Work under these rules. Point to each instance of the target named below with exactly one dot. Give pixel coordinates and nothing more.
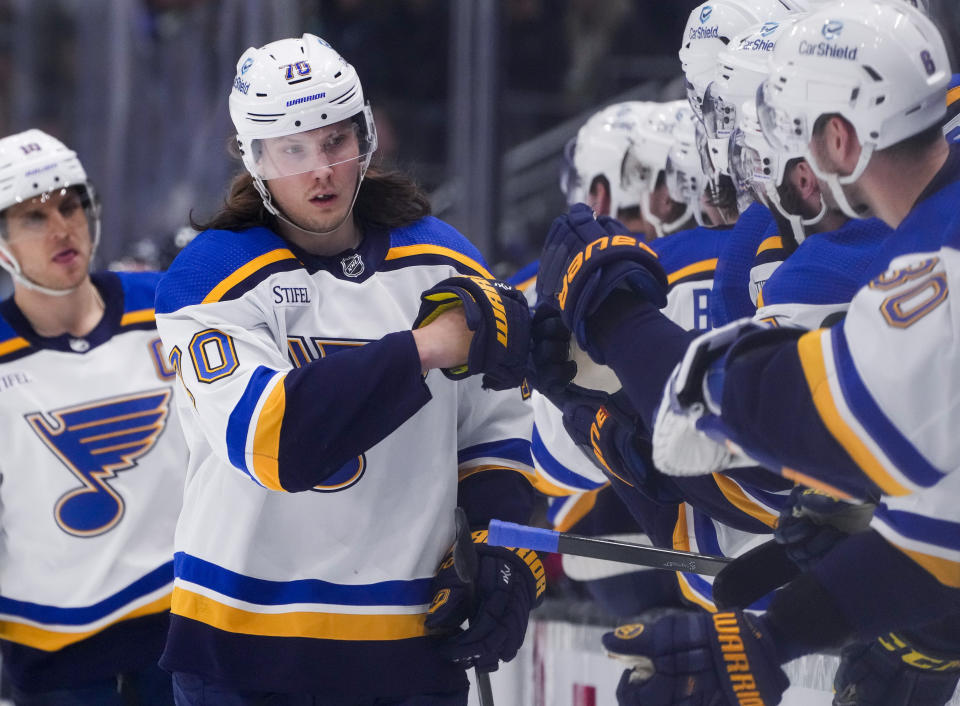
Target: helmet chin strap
(835, 182)
(267, 199)
(797, 223)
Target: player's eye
(293, 149)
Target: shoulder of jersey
(689, 255)
(12, 345)
(221, 265)
(139, 295)
(430, 241)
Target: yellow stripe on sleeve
(526, 284)
(465, 473)
(266, 438)
(953, 95)
(734, 493)
(320, 626)
(137, 317)
(945, 571)
(681, 542)
(693, 596)
(14, 344)
(242, 273)
(694, 269)
(423, 249)
(774, 242)
(50, 640)
(581, 506)
(810, 348)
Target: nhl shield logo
(352, 265)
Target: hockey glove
(550, 368)
(507, 585)
(500, 319)
(719, 659)
(585, 259)
(813, 522)
(890, 671)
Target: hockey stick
(465, 564)
(510, 534)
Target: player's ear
(804, 180)
(841, 143)
(600, 198)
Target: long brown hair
(387, 199)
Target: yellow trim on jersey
(243, 272)
(411, 250)
(760, 303)
(694, 269)
(953, 95)
(50, 640)
(772, 243)
(266, 437)
(815, 483)
(523, 286)
(734, 493)
(547, 487)
(137, 317)
(467, 472)
(581, 506)
(945, 571)
(320, 626)
(693, 596)
(810, 348)
(14, 344)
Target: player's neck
(345, 237)
(76, 313)
(896, 184)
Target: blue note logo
(95, 441)
(831, 29)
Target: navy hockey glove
(500, 319)
(890, 671)
(507, 585)
(698, 659)
(585, 259)
(550, 368)
(813, 522)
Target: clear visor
(695, 99)
(749, 169)
(719, 115)
(703, 149)
(30, 216)
(682, 185)
(635, 174)
(784, 132)
(571, 185)
(350, 140)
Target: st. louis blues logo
(95, 441)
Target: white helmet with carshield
(882, 66)
(599, 152)
(35, 165)
(710, 27)
(287, 98)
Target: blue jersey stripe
(54, 615)
(238, 424)
(263, 592)
(706, 534)
(942, 533)
(898, 448)
(512, 449)
(556, 469)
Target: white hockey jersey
(294, 381)
(92, 470)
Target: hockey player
(93, 458)
(882, 153)
(324, 452)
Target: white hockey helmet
(34, 164)
(293, 86)
(684, 170)
(741, 67)
(646, 159)
(882, 66)
(600, 149)
(710, 27)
